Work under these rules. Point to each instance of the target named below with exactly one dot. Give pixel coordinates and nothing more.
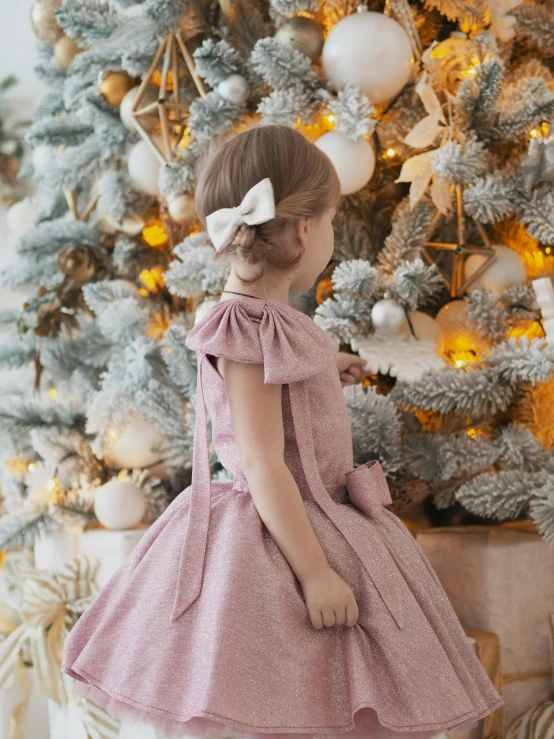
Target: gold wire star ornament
(168, 114)
(453, 278)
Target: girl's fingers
(316, 619)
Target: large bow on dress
(366, 485)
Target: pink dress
(204, 626)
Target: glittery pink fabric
(203, 630)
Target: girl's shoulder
(288, 342)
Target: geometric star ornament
(451, 269)
(168, 114)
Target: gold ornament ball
(181, 208)
(115, 86)
(65, 51)
(43, 22)
(303, 34)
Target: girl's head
(298, 241)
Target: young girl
(289, 601)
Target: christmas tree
(437, 116)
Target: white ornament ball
(205, 306)
(20, 217)
(354, 161)
(452, 318)
(507, 269)
(234, 89)
(181, 208)
(134, 447)
(43, 157)
(370, 50)
(119, 504)
(387, 316)
(144, 168)
(125, 113)
(425, 328)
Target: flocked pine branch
(68, 130)
(535, 209)
(414, 283)
(410, 229)
(477, 98)
(217, 60)
(490, 198)
(465, 12)
(90, 20)
(451, 391)
(518, 448)
(20, 531)
(352, 111)
(178, 358)
(162, 406)
(284, 107)
(535, 22)
(376, 426)
(292, 7)
(446, 456)
(460, 164)
(486, 314)
(501, 495)
(522, 106)
(195, 271)
(281, 66)
(541, 510)
(356, 276)
(211, 116)
(343, 316)
(523, 360)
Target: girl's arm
(257, 422)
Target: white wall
(17, 56)
(17, 52)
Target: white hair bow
(257, 206)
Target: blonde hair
(305, 184)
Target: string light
(52, 392)
(152, 279)
(112, 433)
(390, 152)
(186, 138)
(155, 234)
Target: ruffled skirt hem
(201, 726)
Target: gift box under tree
(501, 579)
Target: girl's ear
(301, 229)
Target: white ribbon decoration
(257, 206)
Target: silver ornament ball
(387, 315)
(234, 89)
(303, 34)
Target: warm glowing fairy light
(391, 152)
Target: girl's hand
(329, 599)
(349, 367)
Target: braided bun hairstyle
(304, 181)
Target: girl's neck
(279, 293)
